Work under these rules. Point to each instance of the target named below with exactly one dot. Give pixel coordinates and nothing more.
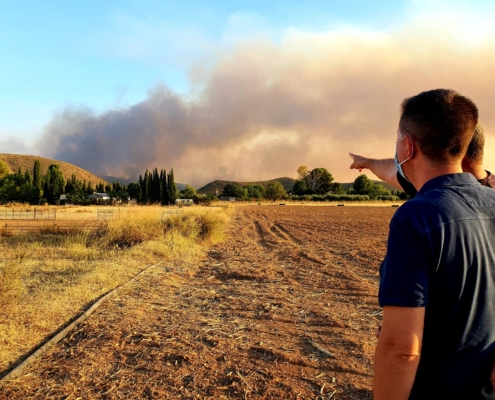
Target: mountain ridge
(212, 187)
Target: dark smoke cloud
(265, 109)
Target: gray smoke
(265, 109)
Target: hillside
(14, 161)
(212, 187)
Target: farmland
(284, 308)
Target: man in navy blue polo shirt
(437, 281)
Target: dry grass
(256, 319)
(46, 279)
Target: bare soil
(285, 308)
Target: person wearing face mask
(389, 169)
(437, 280)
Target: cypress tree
(68, 186)
(152, 193)
(147, 184)
(89, 188)
(159, 187)
(116, 186)
(172, 187)
(27, 178)
(164, 187)
(141, 187)
(46, 184)
(156, 186)
(74, 183)
(37, 175)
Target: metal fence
(31, 214)
(108, 213)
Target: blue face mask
(397, 163)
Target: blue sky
(257, 88)
(105, 54)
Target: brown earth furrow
(242, 324)
(288, 233)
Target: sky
(235, 90)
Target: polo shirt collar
(461, 179)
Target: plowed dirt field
(285, 308)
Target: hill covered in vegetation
(287, 183)
(218, 185)
(14, 161)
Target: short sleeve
(404, 273)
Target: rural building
(184, 202)
(228, 198)
(99, 197)
(64, 198)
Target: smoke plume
(263, 109)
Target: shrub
(205, 227)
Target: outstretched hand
(358, 162)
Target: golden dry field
(284, 308)
(50, 275)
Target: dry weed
(48, 278)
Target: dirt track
(284, 309)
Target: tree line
(319, 181)
(318, 185)
(37, 188)
(160, 188)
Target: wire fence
(166, 214)
(108, 213)
(52, 229)
(30, 214)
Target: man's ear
(411, 147)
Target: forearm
(385, 170)
(395, 370)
